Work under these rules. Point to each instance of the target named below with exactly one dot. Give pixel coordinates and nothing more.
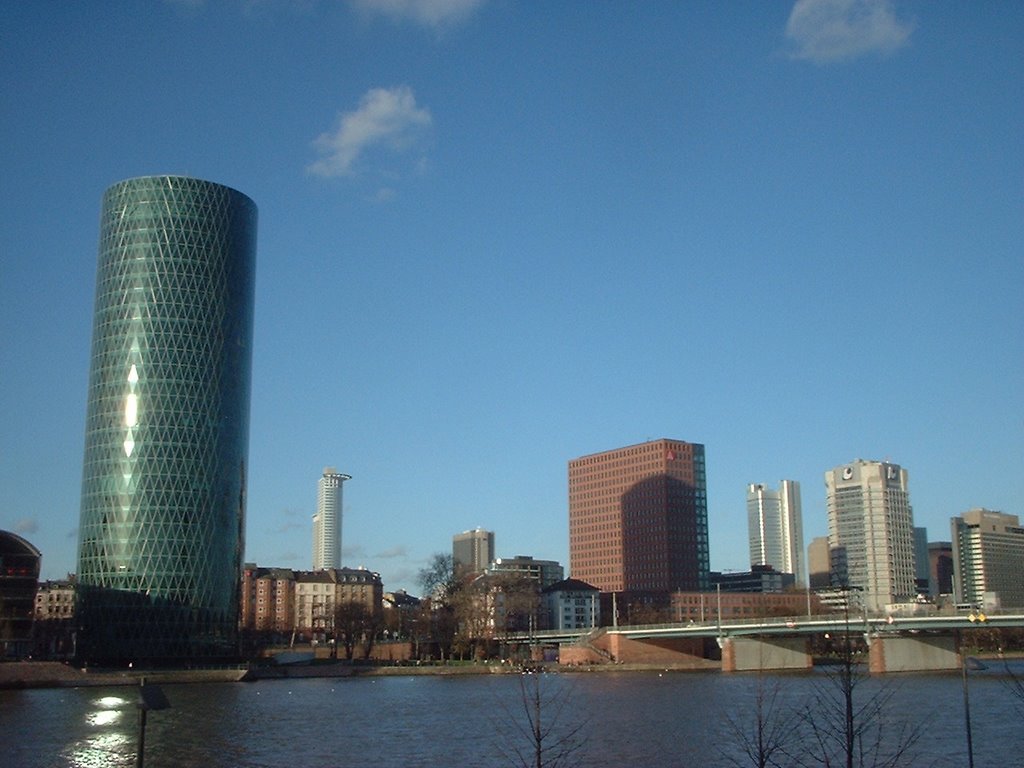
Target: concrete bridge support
(671, 651)
(912, 653)
(751, 654)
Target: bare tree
(1014, 683)
(371, 629)
(442, 585)
(768, 739)
(998, 641)
(473, 606)
(520, 602)
(853, 730)
(351, 619)
(439, 579)
(420, 628)
(647, 612)
(538, 736)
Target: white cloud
(384, 195)
(26, 525)
(347, 553)
(289, 520)
(386, 117)
(432, 13)
(396, 551)
(834, 30)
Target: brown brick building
(638, 519)
(280, 600)
(704, 606)
(268, 599)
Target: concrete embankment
(52, 674)
(48, 674)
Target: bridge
(895, 643)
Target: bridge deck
(786, 627)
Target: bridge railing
(782, 624)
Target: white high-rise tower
(327, 520)
(871, 531)
(776, 529)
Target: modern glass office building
(167, 425)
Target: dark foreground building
(638, 520)
(167, 425)
(19, 577)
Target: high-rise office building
(473, 551)
(775, 527)
(940, 568)
(988, 559)
(638, 518)
(327, 520)
(819, 564)
(921, 560)
(871, 531)
(167, 424)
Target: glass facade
(167, 425)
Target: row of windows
(583, 501)
(659, 446)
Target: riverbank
(51, 674)
(623, 718)
(54, 674)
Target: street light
(969, 662)
(150, 697)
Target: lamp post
(150, 697)
(968, 662)
(967, 709)
(718, 590)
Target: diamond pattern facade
(163, 488)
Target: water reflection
(624, 718)
(105, 744)
(103, 717)
(101, 751)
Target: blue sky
(495, 236)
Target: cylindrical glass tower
(167, 425)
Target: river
(612, 718)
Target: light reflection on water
(101, 751)
(641, 719)
(105, 743)
(106, 717)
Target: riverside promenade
(52, 674)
